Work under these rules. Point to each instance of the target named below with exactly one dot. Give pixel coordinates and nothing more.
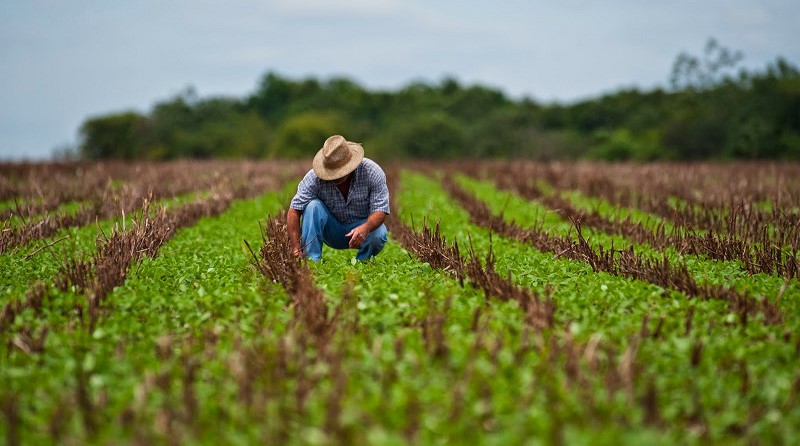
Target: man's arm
(379, 207)
(306, 191)
(359, 233)
(293, 226)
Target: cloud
(64, 60)
(336, 8)
(747, 17)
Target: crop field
(515, 303)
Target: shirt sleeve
(378, 191)
(307, 190)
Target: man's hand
(297, 251)
(357, 236)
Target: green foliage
(525, 213)
(710, 112)
(612, 308)
(429, 136)
(197, 348)
(621, 145)
(690, 72)
(113, 136)
(299, 134)
(201, 284)
(183, 127)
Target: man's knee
(381, 233)
(315, 213)
(315, 219)
(314, 207)
(378, 236)
(374, 243)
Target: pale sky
(62, 61)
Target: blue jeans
(320, 226)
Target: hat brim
(356, 156)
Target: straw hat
(337, 158)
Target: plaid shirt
(368, 193)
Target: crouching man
(342, 201)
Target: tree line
(711, 110)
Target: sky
(63, 61)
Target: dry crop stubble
(579, 361)
(122, 189)
(712, 316)
(276, 262)
(765, 241)
(429, 246)
(624, 262)
(150, 228)
(487, 359)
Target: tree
(708, 113)
(428, 136)
(692, 72)
(113, 136)
(302, 135)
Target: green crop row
(201, 282)
(197, 347)
(613, 307)
(24, 265)
(731, 274)
(64, 208)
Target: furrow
(626, 263)
(759, 253)
(429, 246)
(276, 262)
(241, 180)
(110, 265)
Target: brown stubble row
(277, 375)
(97, 277)
(762, 253)
(577, 363)
(102, 199)
(764, 242)
(625, 263)
(110, 266)
(59, 183)
(276, 378)
(276, 262)
(714, 187)
(711, 192)
(430, 246)
(150, 228)
(314, 327)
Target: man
(343, 201)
